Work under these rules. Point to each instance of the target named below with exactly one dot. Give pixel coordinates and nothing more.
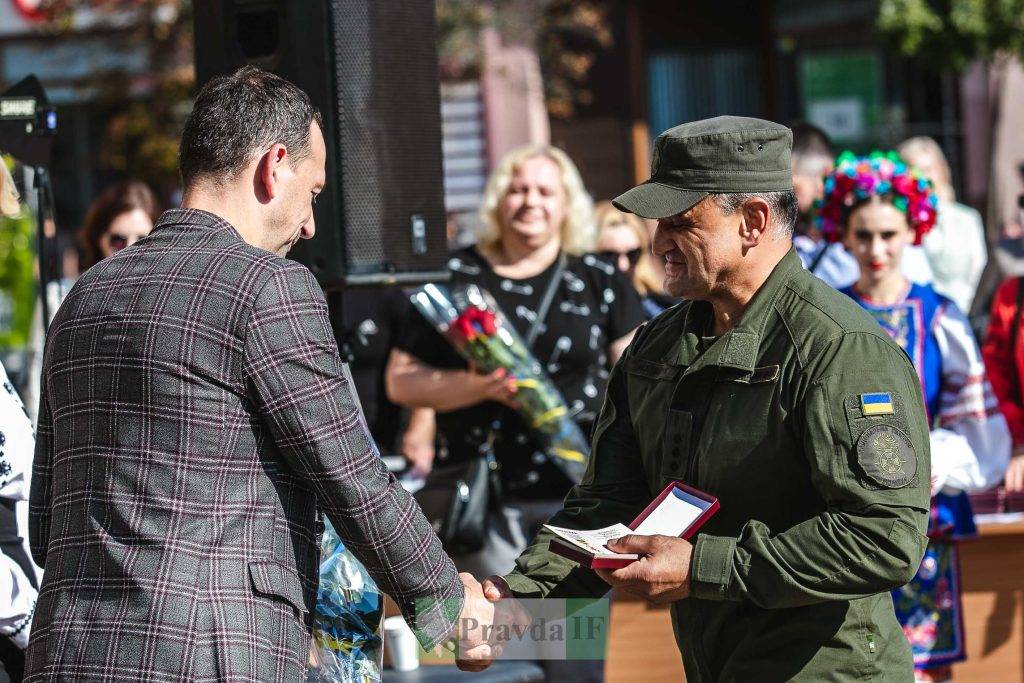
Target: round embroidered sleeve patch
(887, 456)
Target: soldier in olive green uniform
(776, 394)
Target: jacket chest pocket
(743, 430)
(650, 388)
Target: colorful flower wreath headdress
(880, 173)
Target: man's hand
(509, 617)
(496, 589)
(509, 610)
(485, 624)
(474, 628)
(661, 575)
(1015, 471)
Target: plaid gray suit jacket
(194, 413)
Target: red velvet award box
(679, 510)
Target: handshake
(489, 620)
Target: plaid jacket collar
(195, 218)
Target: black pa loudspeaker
(370, 67)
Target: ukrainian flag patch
(876, 404)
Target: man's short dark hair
(239, 116)
(809, 139)
(783, 207)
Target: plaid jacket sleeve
(39, 493)
(295, 379)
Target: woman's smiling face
(534, 204)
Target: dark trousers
(12, 660)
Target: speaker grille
(370, 66)
(388, 133)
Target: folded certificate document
(679, 510)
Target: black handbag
(458, 499)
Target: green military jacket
(807, 422)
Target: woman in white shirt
(955, 247)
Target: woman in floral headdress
(878, 206)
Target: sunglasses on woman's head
(633, 255)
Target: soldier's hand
(476, 650)
(661, 575)
(500, 620)
(496, 589)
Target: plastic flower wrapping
(470, 319)
(347, 646)
(883, 174)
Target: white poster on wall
(841, 118)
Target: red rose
(487, 323)
(464, 326)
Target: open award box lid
(679, 510)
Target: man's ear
(756, 221)
(269, 170)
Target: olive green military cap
(712, 156)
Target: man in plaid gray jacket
(194, 415)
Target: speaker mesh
(370, 66)
(388, 136)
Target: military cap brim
(654, 200)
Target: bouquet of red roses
(469, 318)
